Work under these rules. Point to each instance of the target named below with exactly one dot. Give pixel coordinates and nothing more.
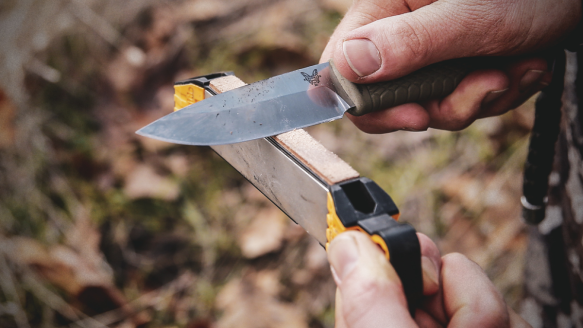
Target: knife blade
(298, 99)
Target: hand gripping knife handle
(306, 197)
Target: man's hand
(380, 40)
(457, 292)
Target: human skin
(457, 292)
(380, 40)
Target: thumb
(369, 291)
(395, 46)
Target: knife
(315, 188)
(298, 99)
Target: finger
(371, 292)
(469, 298)
(398, 45)
(464, 105)
(482, 93)
(454, 112)
(526, 77)
(430, 264)
(409, 117)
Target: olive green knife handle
(431, 82)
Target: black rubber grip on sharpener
(404, 251)
(431, 82)
(361, 202)
(541, 150)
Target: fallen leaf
(316, 257)
(465, 189)
(7, 115)
(249, 302)
(143, 182)
(76, 275)
(264, 234)
(178, 164)
(122, 72)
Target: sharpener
(321, 193)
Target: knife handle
(360, 204)
(431, 82)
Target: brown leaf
(250, 302)
(143, 181)
(7, 115)
(29, 252)
(264, 234)
(465, 189)
(122, 72)
(76, 274)
(85, 273)
(178, 164)
(316, 257)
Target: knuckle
(489, 308)
(495, 25)
(412, 40)
(454, 259)
(454, 118)
(370, 10)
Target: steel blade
(276, 105)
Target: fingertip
(352, 249)
(362, 56)
(526, 76)
(344, 66)
(409, 117)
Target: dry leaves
(7, 115)
(251, 302)
(78, 269)
(144, 182)
(264, 234)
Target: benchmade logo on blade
(313, 79)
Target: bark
(553, 273)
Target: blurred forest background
(102, 228)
